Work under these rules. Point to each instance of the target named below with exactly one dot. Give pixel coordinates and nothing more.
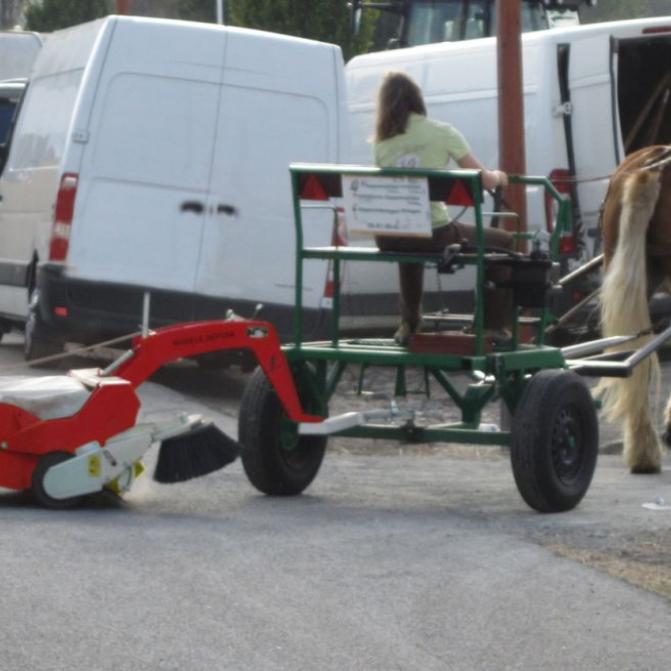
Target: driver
(406, 138)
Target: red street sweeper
(66, 436)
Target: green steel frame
(500, 374)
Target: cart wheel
(554, 441)
(37, 483)
(276, 459)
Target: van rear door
(145, 169)
(278, 106)
(593, 137)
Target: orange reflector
(567, 245)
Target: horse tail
(624, 295)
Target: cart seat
(46, 397)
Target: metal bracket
(563, 109)
(80, 136)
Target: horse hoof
(645, 470)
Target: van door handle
(192, 206)
(223, 208)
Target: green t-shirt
(425, 144)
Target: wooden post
(122, 6)
(511, 102)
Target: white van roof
(415, 60)
(17, 53)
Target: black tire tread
(530, 439)
(39, 343)
(37, 482)
(258, 426)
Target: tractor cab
(413, 23)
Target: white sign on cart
(387, 205)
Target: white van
(153, 155)
(592, 93)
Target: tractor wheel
(554, 441)
(277, 460)
(37, 483)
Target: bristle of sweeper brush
(197, 452)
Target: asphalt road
(424, 559)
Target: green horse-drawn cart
(553, 429)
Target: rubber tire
(262, 427)
(554, 405)
(37, 482)
(38, 342)
(5, 328)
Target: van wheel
(5, 327)
(38, 342)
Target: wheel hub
(567, 451)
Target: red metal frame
(113, 405)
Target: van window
(157, 130)
(7, 108)
(42, 128)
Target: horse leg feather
(624, 311)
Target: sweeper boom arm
(187, 340)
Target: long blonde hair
(397, 98)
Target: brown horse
(636, 230)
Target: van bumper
(87, 311)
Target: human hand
(501, 178)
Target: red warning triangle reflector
(459, 194)
(312, 189)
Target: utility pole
(122, 6)
(511, 101)
(220, 11)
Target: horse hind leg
(666, 436)
(625, 310)
(641, 445)
(641, 450)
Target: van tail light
(339, 236)
(338, 239)
(656, 30)
(65, 208)
(562, 180)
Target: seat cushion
(46, 397)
